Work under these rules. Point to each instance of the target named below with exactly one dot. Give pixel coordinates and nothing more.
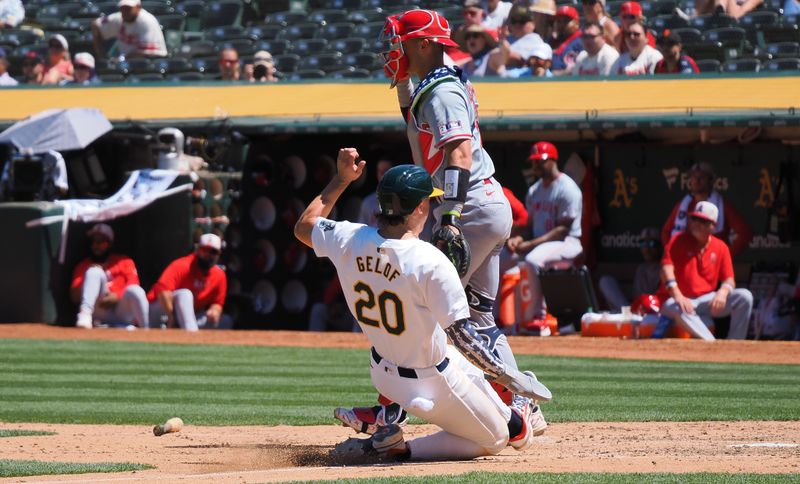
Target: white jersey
(142, 36)
(369, 210)
(551, 205)
(644, 64)
(401, 292)
(595, 65)
(444, 109)
(496, 18)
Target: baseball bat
(174, 424)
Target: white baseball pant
(738, 306)
(185, 315)
(473, 419)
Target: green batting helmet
(402, 189)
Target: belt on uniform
(409, 372)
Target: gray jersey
(555, 204)
(444, 109)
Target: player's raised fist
(347, 166)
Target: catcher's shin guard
(369, 419)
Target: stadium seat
(364, 60)
(193, 11)
(111, 78)
(141, 66)
(264, 32)
(782, 65)
(366, 16)
(328, 16)
(158, 8)
(305, 47)
(347, 4)
(301, 31)
(287, 63)
(369, 31)
(706, 50)
(230, 32)
(758, 18)
(307, 74)
(730, 38)
(222, 13)
(782, 50)
(347, 46)
(106, 8)
(59, 11)
(274, 47)
(88, 11)
(175, 22)
(613, 8)
(244, 47)
(689, 35)
(659, 7)
(188, 77)
(17, 37)
(286, 18)
(350, 73)
(708, 65)
(198, 49)
(451, 13)
(780, 33)
(137, 78)
(325, 62)
(741, 65)
(206, 65)
(669, 22)
(337, 31)
(708, 22)
(173, 66)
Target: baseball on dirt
(174, 424)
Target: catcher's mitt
(455, 247)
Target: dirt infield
(282, 453)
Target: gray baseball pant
(185, 315)
(738, 306)
(132, 307)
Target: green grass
(23, 433)
(588, 478)
(140, 383)
(21, 468)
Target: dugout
(637, 147)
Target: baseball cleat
(84, 320)
(369, 419)
(386, 444)
(533, 423)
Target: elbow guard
(474, 348)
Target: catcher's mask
(413, 24)
(403, 188)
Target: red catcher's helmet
(413, 24)
(646, 304)
(543, 150)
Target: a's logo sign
(624, 189)
(767, 194)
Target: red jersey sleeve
(666, 231)
(169, 280)
(666, 258)
(79, 272)
(220, 287)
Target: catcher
(473, 219)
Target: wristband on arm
(671, 283)
(456, 183)
(728, 285)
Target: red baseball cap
(425, 24)
(631, 8)
(543, 150)
(567, 11)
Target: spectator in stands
(496, 13)
(554, 205)
(472, 15)
(640, 58)
(567, 40)
(32, 68)
(516, 40)
(369, 206)
(137, 31)
(734, 8)
(262, 69)
(701, 188)
(791, 7)
(597, 57)
(595, 11)
(674, 61)
(5, 79)
(479, 43)
(58, 67)
(85, 75)
(697, 271)
(229, 67)
(106, 285)
(544, 12)
(191, 291)
(631, 13)
(646, 279)
(538, 64)
(12, 13)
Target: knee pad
(478, 302)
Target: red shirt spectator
(184, 273)
(120, 270)
(518, 212)
(698, 270)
